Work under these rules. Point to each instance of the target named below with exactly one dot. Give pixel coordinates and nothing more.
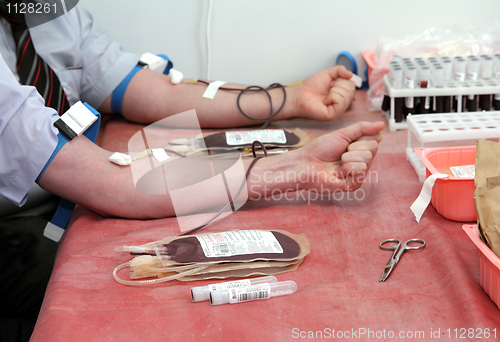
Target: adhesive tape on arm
(212, 89)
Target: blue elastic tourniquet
(119, 92)
(65, 207)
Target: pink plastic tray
(451, 197)
(489, 265)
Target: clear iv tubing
(153, 281)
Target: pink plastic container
(489, 265)
(369, 57)
(451, 197)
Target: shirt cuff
(17, 192)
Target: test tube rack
(451, 88)
(431, 128)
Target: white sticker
(160, 154)
(239, 242)
(465, 171)
(230, 285)
(472, 76)
(254, 292)
(460, 76)
(212, 89)
(409, 83)
(263, 135)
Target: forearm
(82, 173)
(151, 97)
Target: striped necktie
(31, 68)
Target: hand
(324, 95)
(340, 160)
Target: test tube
(432, 60)
(459, 68)
(254, 292)
(399, 102)
(438, 82)
(472, 74)
(459, 65)
(406, 61)
(201, 293)
(410, 79)
(424, 75)
(448, 69)
(396, 58)
(386, 102)
(486, 74)
(448, 72)
(496, 74)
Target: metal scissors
(393, 261)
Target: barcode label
(222, 248)
(465, 171)
(263, 135)
(254, 292)
(239, 242)
(230, 285)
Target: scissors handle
(422, 245)
(392, 247)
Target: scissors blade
(388, 269)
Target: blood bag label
(239, 242)
(230, 285)
(465, 171)
(254, 292)
(262, 135)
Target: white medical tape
(78, 118)
(154, 62)
(159, 154)
(422, 202)
(357, 80)
(212, 89)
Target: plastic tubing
(152, 281)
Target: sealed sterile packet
(220, 142)
(216, 255)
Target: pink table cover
(431, 293)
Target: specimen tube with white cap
(472, 75)
(486, 75)
(254, 292)
(410, 79)
(200, 293)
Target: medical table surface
(432, 293)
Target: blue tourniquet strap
(119, 92)
(55, 228)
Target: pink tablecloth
(432, 293)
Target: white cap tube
(201, 293)
(254, 292)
